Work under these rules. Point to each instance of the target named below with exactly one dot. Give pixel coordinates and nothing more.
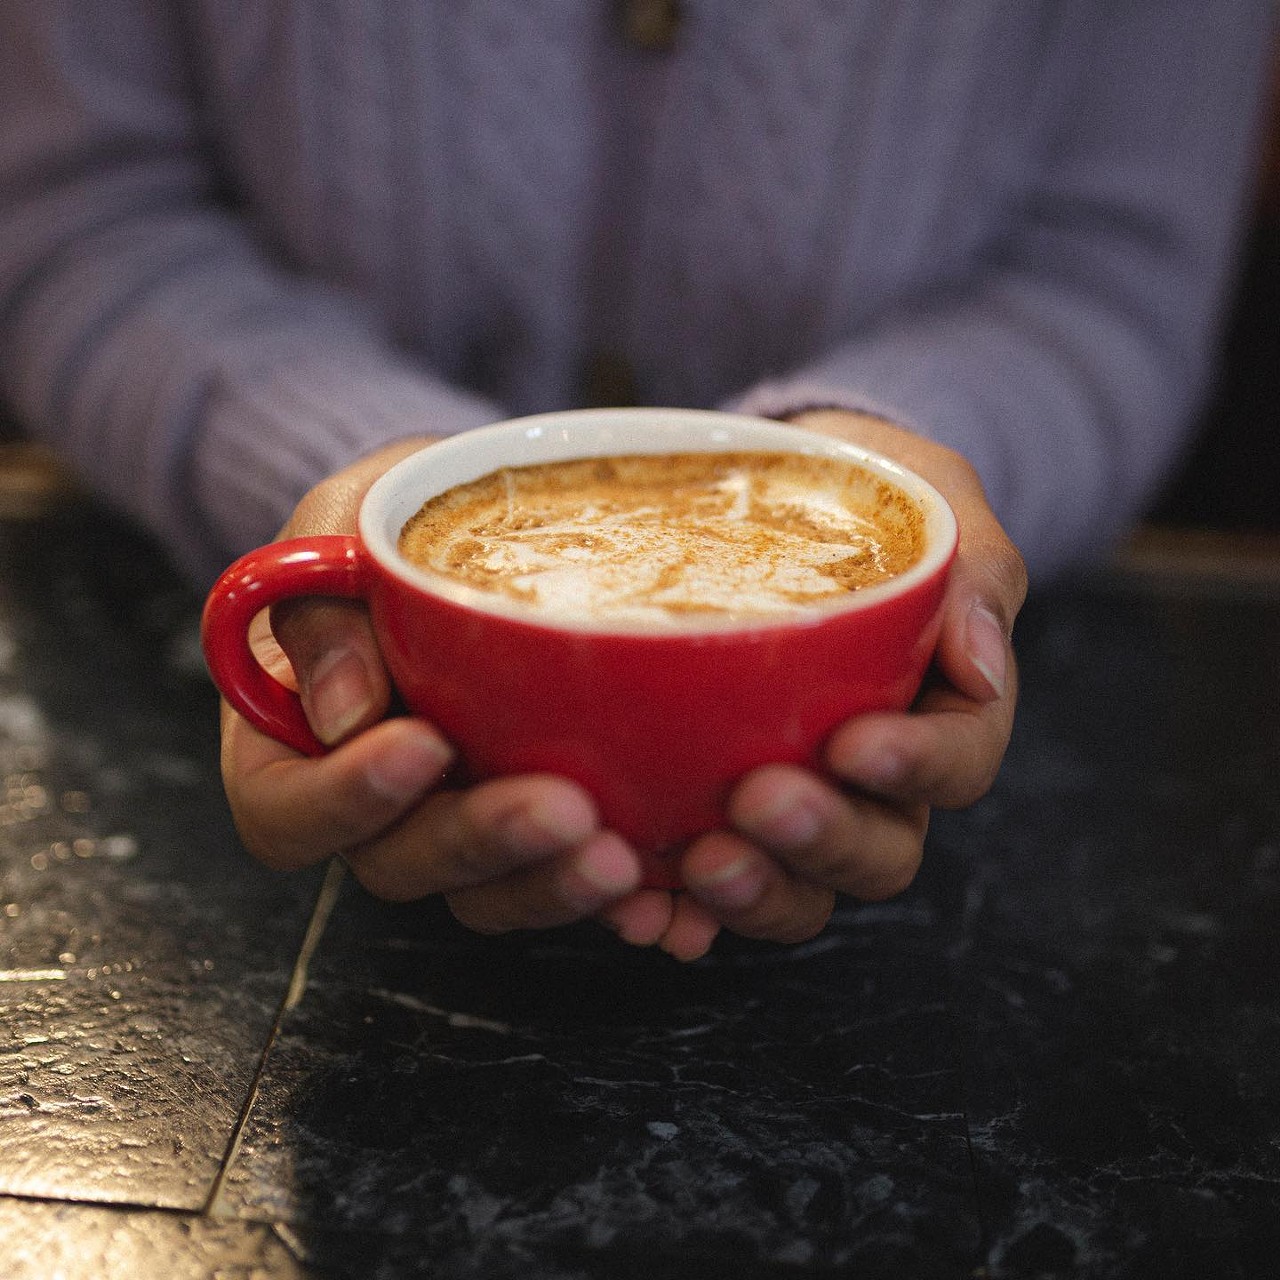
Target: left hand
(797, 839)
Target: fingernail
(549, 824)
(339, 695)
(405, 771)
(790, 819)
(875, 767)
(609, 866)
(737, 885)
(986, 645)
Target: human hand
(795, 840)
(516, 852)
(527, 852)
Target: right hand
(797, 838)
(515, 852)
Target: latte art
(652, 539)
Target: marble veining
(1053, 1057)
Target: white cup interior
(585, 433)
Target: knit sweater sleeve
(144, 330)
(1070, 363)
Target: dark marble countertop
(1054, 1056)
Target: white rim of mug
(578, 433)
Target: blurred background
(1230, 480)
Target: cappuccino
(668, 538)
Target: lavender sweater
(243, 243)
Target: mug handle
(330, 565)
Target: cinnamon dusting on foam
(654, 538)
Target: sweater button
(651, 25)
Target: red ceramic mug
(657, 724)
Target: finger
(854, 844)
(341, 678)
(558, 890)
(677, 923)
(691, 930)
(329, 643)
(945, 754)
(745, 890)
(292, 811)
(640, 918)
(988, 580)
(987, 587)
(266, 648)
(455, 840)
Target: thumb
(985, 592)
(341, 678)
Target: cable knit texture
(242, 244)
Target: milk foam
(655, 540)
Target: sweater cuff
(786, 399)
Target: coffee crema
(667, 538)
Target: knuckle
(802, 928)
(378, 881)
(836, 866)
(1010, 569)
(270, 853)
(325, 508)
(963, 469)
(456, 846)
(783, 919)
(839, 858)
(266, 842)
(890, 878)
(971, 770)
(352, 816)
(969, 791)
(469, 858)
(1001, 579)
